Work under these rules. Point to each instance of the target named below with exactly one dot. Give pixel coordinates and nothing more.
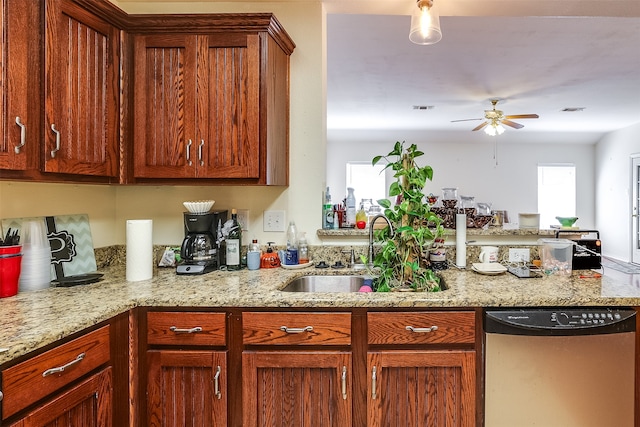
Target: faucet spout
(373, 220)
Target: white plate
(296, 266)
(488, 273)
(489, 267)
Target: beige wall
(109, 207)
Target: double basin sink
(338, 283)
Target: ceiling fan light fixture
(494, 129)
(425, 24)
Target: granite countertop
(31, 320)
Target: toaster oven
(587, 252)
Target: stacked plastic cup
(36, 257)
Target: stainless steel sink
(325, 284)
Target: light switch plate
(519, 255)
(243, 219)
(273, 221)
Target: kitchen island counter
(31, 320)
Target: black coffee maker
(200, 250)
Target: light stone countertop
(31, 320)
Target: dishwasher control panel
(560, 321)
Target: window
(556, 192)
(368, 181)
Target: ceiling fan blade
(479, 126)
(512, 124)
(463, 120)
(522, 116)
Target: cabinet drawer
(451, 327)
(186, 328)
(296, 328)
(29, 381)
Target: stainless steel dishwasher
(559, 367)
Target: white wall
(470, 166)
(613, 187)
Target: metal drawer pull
(374, 381)
(23, 135)
(344, 382)
(63, 367)
(421, 330)
(57, 132)
(189, 152)
(216, 384)
(200, 152)
(185, 331)
(1, 396)
(296, 330)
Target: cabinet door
(87, 404)
(421, 388)
(81, 66)
(301, 389)
(228, 106)
(187, 388)
(19, 84)
(165, 144)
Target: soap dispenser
(269, 259)
(303, 249)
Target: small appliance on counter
(587, 252)
(200, 250)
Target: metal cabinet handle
(216, 384)
(62, 368)
(189, 152)
(185, 331)
(343, 379)
(23, 135)
(374, 381)
(57, 132)
(1, 396)
(421, 330)
(296, 330)
(200, 159)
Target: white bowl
(529, 220)
(199, 206)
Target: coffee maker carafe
(200, 251)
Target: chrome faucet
(373, 220)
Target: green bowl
(567, 221)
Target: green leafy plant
(401, 260)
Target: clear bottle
(303, 249)
(255, 247)
(350, 208)
(234, 243)
(327, 212)
(292, 244)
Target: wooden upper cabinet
(81, 91)
(211, 104)
(19, 84)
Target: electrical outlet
(243, 218)
(273, 221)
(519, 255)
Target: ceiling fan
(496, 117)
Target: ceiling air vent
(424, 107)
(572, 109)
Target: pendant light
(425, 23)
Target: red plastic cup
(13, 249)
(9, 274)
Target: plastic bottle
(350, 208)
(327, 212)
(303, 249)
(292, 244)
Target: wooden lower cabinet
(296, 388)
(87, 404)
(421, 388)
(187, 388)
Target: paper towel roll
(461, 240)
(139, 249)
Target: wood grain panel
(181, 388)
(328, 328)
(301, 389)
(24, 383)
(213, 328)
(88, 405)
(415, 389)
(391, 327)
